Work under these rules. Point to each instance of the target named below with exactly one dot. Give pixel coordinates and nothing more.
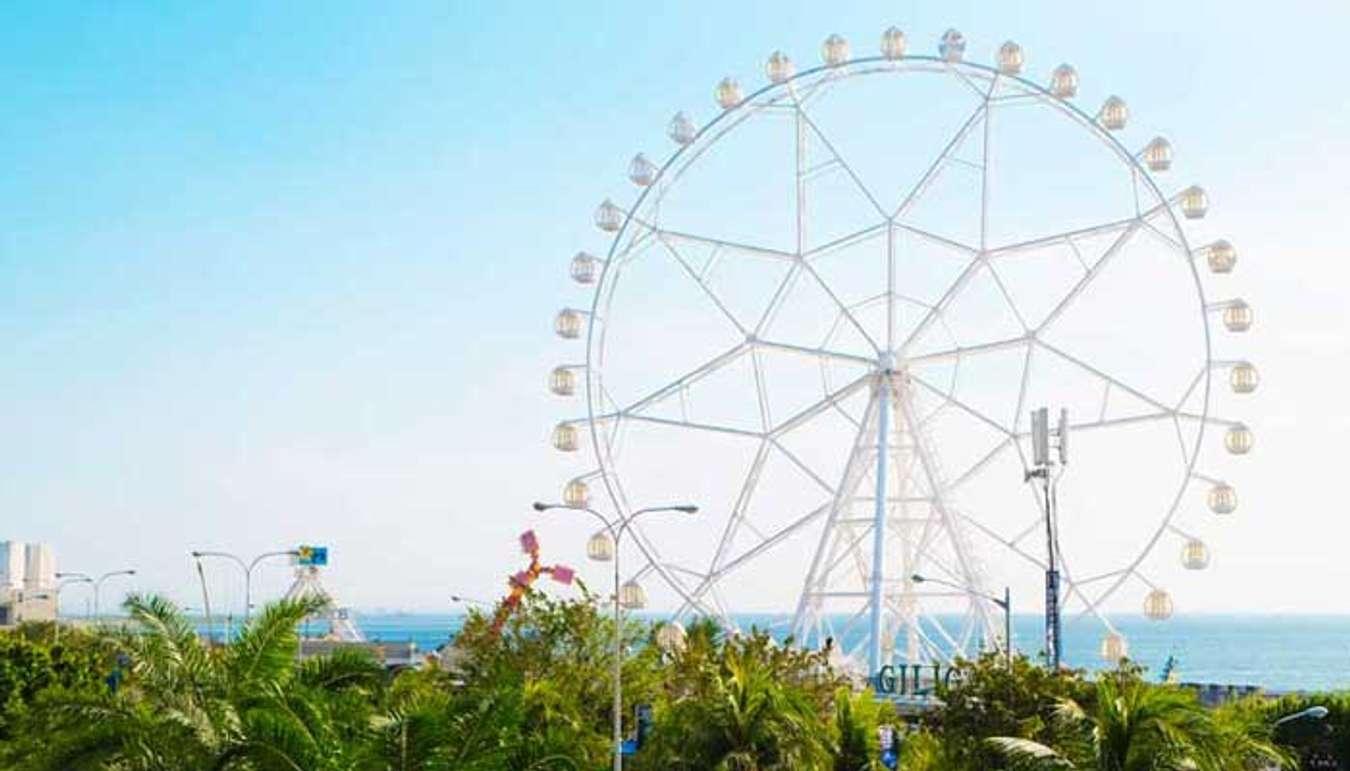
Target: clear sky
(273, 273)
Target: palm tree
(177, 704)
(747, 708)
(1134, 726)
(857, 743)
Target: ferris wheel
(827, 316)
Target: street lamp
(1005, 604)
(66, 579)
(462, 600)
(1311, 713)
(248, 570)
(71, 578)
(629, 594)
(98, 584)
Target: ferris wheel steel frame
(891, 387)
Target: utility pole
(1043, 468)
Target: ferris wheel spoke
(936, 167)
(703, 285)
(1065, 237)
(941, 240)
(1003, 541)
(822, 354)
(767, 543)
(938, 308)
(696, 426)
(1213, 420)
(960, 352)
(1072, 236)
(841, 242)
(979, 465)
(1112, 422)
(1093, 272)
(848, 169)
(1115, 382)
(677, 236)
(801, 466)
(683, 382)
(947, 398)
(831, 399)
(843, 309)
(743, 498)
(1007, 298)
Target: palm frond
(267, 649)
(1028, 755)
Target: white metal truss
(894, 510)
(340, 624)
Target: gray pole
(206, 605)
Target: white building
(39, 572)
(12, 564)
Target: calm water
(1277, 652)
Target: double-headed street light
(1005, 604)
(248, 570)
(604, 547)
(85, 578)
(66, 579)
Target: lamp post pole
(616, 529)
(98, 584)
(1005, 604)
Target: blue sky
(272, 273)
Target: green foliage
(1131, 725)
(857, 742)
(33, 661)
(989, 698)
(182, 705)
(538, 695)
(746, 703)
(1310, 741)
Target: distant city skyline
(283, 275)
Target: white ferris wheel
(827, 315)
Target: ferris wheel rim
(855, 68)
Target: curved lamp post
(98, 584)
(66, 579)
(248, 570)
(602, 549)
(1005, 604)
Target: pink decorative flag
(562, 574)
(528, 542)
(521, 579)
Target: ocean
(1277, 652)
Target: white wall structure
(39, 568)
(11, 565)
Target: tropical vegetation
(152, 695)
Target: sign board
(312, 555)
(913, 679)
